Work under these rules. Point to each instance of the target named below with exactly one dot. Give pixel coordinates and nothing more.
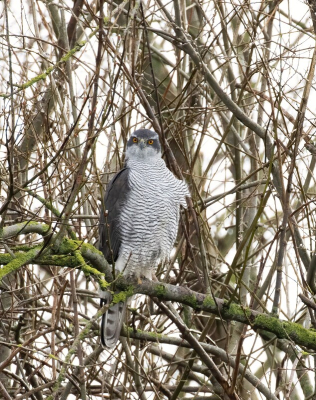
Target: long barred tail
(112, 321)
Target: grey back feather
(109, 227)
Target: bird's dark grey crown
(145, 134)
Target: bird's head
(143, 145)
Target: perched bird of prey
(139, 219)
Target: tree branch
(227, 311)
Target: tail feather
(111, 324)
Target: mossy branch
(18, 262)
(57, 260)
(89, 253)
(229, 312)
(71, 253)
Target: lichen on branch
(18, 262)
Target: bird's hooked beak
(142, 144)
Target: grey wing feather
(109, 228)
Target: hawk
(139, 219)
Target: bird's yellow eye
(150, 141)
(135, 140)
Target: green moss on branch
(89, 253)
(104, 285)
(18, 262)
(5, 258)
(123, 295)
(160, 290)
(191, 301)
(69, 246)
(85, 268)
(71, 253)
(59, 261)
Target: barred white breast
(149, 220)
